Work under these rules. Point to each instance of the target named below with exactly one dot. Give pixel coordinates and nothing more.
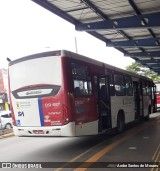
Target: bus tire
(120, 123)
(8, 126)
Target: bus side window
(89, 87)
(119, 85)
(144, 88)
(103, 93)
(112, 88)
(80, 88)
(82, 80)
(77, 91)
(128, 85)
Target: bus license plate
(38, 131)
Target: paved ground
(6, 133)
(140, 143)
(135, 149)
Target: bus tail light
(66, 113)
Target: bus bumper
(64, 130)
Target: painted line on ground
(129, 132)
(79, 156)
(156, 157)
(97, 156)
(157, 149)
(7, 135)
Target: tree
(141, 70)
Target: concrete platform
(137, 148)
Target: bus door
(104, 103)
(137, 99)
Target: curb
(7, 135)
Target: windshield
(38, 71)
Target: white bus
(61, 93)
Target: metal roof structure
(131, 26)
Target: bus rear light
(66, 113)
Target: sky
(27, 28)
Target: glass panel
(82, 87)
(82, 80)
(119, 85)
(112, 89)
(144, 88)
(129, 89)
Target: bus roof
(65, 53)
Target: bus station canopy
(131, 26)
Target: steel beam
(148, 62)
(144, 54)
(138, 12)
(95, 9)
(138, 43)
(151, 21)
(155, 65)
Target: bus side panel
(146, 103)
(122, 103)
(83, 109)
(158, 99)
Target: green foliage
(141, 70)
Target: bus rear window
(38, 71)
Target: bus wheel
(8, 126)
(120, 123)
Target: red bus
(62, 93)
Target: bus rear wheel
(120, 123)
